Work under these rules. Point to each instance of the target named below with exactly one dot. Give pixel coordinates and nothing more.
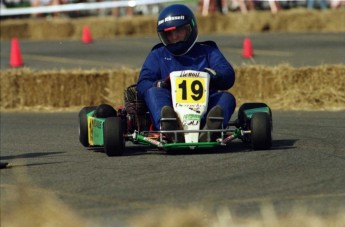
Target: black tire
(246, 106)
(114, 143)
(105, 111)
(83, 128)
(261, 130)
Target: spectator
(274, 6)
(335, 4)
(242, 5)
(248, 5)
(116, 12)
(36, 3)
(213, 6)
(322, 4)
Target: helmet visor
(173, 35)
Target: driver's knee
(226, 101)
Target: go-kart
(103, 126)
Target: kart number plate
(190, 90)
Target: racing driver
(179, 50)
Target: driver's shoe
(169, 121)
(214, 120)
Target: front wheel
(242, 116)
(261, 130)
(114, 143)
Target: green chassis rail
(237, 133)
(141, 139)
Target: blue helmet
(176, 17)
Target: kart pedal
(214, 120)
(169, 122)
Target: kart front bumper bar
(160, 143)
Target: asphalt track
(305, 167)
(300, 49)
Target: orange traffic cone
(86, 37)
(247, 48)
(16, 56)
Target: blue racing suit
(160, 63)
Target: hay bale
(235, 23)
(50, 30)
(14, 28)
(100, 27)
(285, 87)
(119, 79)
(308, 21)
(282, 87)
(24, 88)
(144, 25)
(254, 21)
(138, 25)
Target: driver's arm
(224, 77)
(149, 74)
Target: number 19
(196, 88)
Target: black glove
(163, 83)
(213, 74)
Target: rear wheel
(260, 126)
(83, 127)
(104, 111)
(114, 143)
